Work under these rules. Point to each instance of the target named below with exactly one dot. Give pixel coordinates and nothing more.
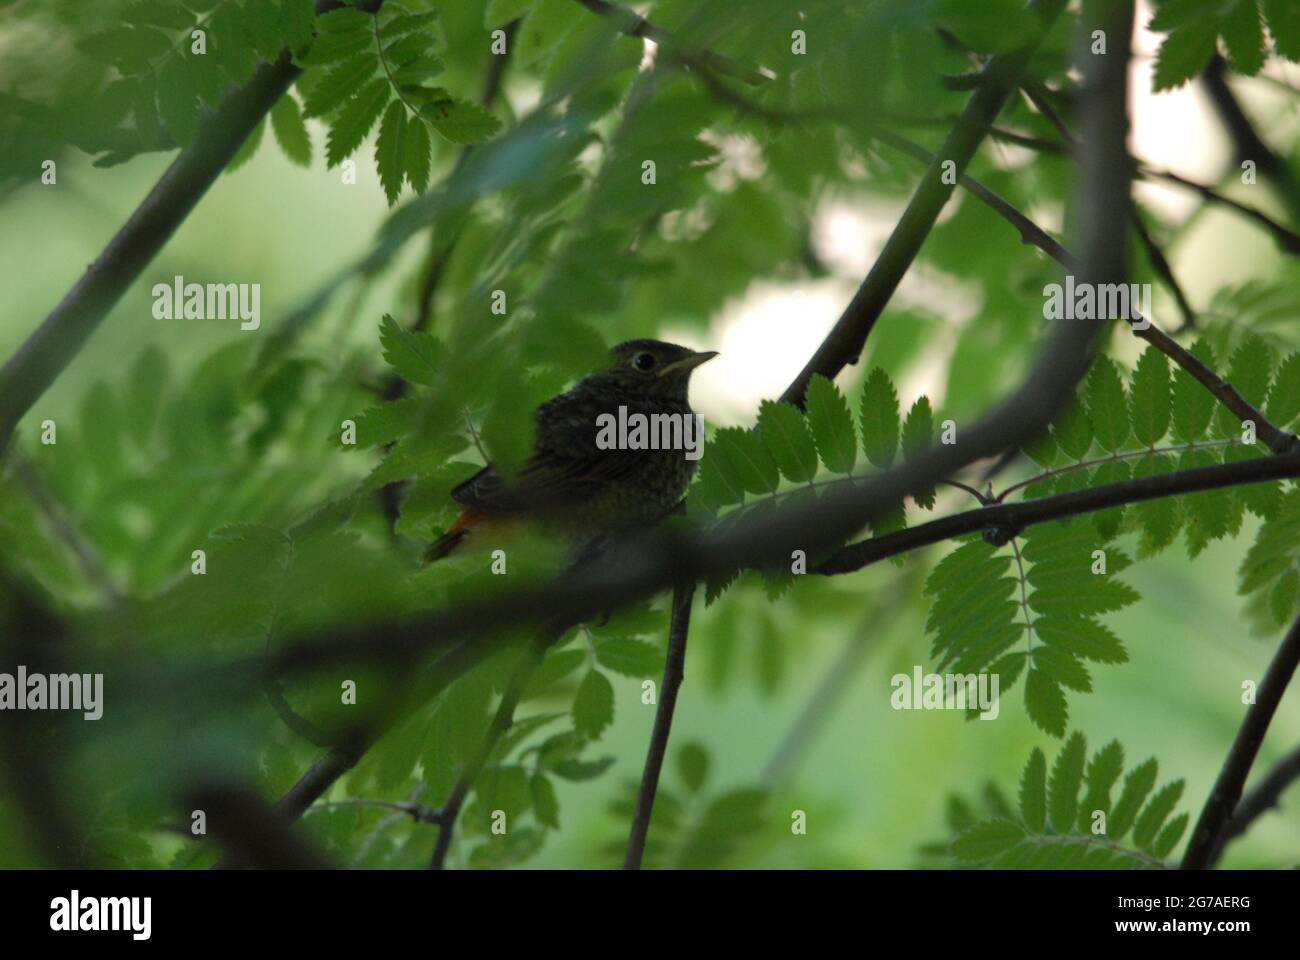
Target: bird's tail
(454, 536)
(444, 545)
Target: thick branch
(674, 673)
(254, 834)
(48, 351)
(844, 344)
(1211, 829)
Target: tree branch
(1017, 516)
(1247, 143)
(501, 721)
(845, 341)
(49, 350)
(254, 834)
(1211, 828)
(1279, 441)
(674, 673)
(1037, 95)
(634, 25)
(1263, 797)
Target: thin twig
(1246, 141)
(674, 673)
(1264, 796)
(419, 812)
(1211, 828)
(1038, 96)
(85, 551)
(635, 25)
(501, 721)
(844, 343)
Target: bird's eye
(644, 361)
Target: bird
(575, 481)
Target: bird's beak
(688, 363)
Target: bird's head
(654, 368)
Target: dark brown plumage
(572, 484)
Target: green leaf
(831, 424)
(461, 121)
(390, 150)
(878, 415)
(405, 23)
(693, 766)
(290, 131)
(155, 13)
(1062, 667)
(918, 435)
(1080, 636)
(741, 455)
(178, 99)
(630, 657)
(338, 85)
(1103, 773)
(1161, 518)
(229, 44)
(1073, 431)
(382, 424)
(1243, 35)
(1249, 371)
(414, 72)
(1208, 513)
(331, 47)
(1170, 835)
(1137, 785)
(1284, 25)
(986, 840)
(546, 805)
(418, 156)
(130, 48)
(785, 433)
(498, 13)
(415, 356)
(1193, 404)
(296, 20)
(355, 120)
(1033, 792)
(1045, 703)
(249, 147)
(593, 707)
(1183, 54)
(345, 20)
(261, 24)
(1150, 402)
(717, 484)
(1284, 398)
(1067, 778)
(146, 391)
(1107, 409)
(1153, 817)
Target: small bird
(579, 485)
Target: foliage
(311, 465)
(1055, 827)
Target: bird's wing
(549, 479)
